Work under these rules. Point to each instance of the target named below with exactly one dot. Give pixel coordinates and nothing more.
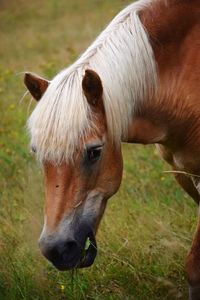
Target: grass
(148, 226)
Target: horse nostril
(71, 246)
(67, 253)
(53, 254)
(70, 249)
(63, 254)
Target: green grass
(148, 226)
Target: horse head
(77, 190)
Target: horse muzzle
(71, 253)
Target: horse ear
(36, 85)
(92, 87)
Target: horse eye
(93, 154)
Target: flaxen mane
(123, 58)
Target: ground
(148, 226)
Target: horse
(138, 82)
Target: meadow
(148, 225)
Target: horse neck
(173, 27)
